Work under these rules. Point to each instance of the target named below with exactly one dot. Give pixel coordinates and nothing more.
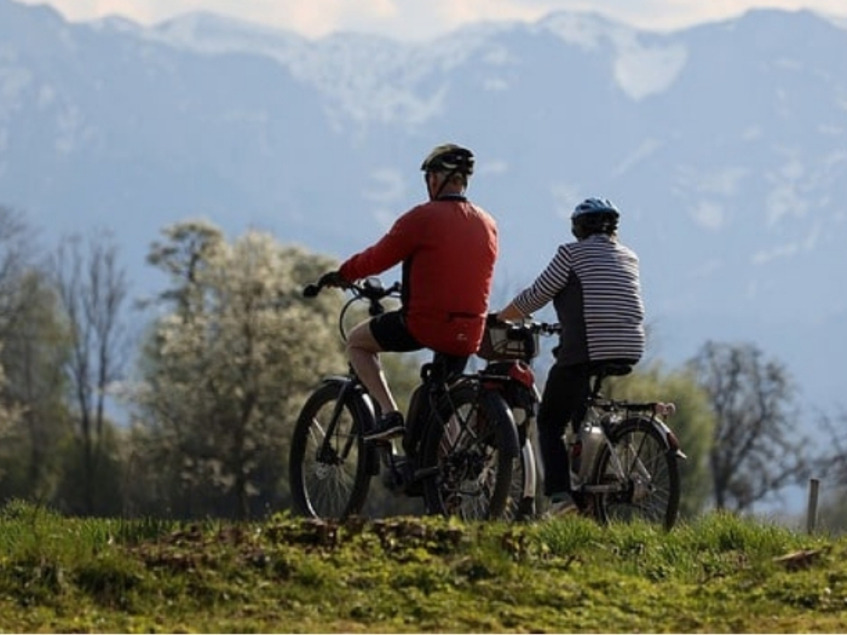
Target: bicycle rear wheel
(524, 491)
(473, 454)
(639, 479)
(328, 461)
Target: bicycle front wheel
(328, 461)
(638, 478)
(472, 454)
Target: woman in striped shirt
(594, 286)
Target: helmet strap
(444, 183)
(434, 197)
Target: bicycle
(508, 350)
(458, 448)
(627, 455)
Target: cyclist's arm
(548, 283)
(394, 247)
(511, 314)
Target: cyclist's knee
(361, 338)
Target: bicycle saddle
(607, 368)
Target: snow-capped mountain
(724, 144)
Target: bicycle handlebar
(542, 328)
(516, 330)
(369, 289)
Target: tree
(33, 345)
(9, 416)
(756, 450)
(92, 289)
(693, 424)
(226, 368)
(35, 348)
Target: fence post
(812, 512)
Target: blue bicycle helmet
(594, 216)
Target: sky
(421, 20)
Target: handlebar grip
(311, 290)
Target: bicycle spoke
(471, 470)
(328, 476)
(639, 471)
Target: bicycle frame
(352, 394)
(460, 438)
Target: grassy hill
(718, 574)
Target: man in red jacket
(448, 247)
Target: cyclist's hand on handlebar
(510, 315)
(329, 279)
(332, 279)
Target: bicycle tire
(473, 454)
(525, 488)
(334, 486)
(652, 488)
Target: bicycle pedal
(393, 480)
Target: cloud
(709, 215)
(425, 19)
(389, 186)
(805, 244)
(565, 197)
(725, 181)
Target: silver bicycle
(628, 456)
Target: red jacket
(448, 248)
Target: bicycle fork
(349, 394)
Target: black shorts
(390, 332)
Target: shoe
(562, 504)
(388, 426)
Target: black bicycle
(458, 450)
(628, 456)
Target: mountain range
(724, 144)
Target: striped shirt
(594, 285)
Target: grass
(718, 574)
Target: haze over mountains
(724, 144)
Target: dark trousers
(563, 402)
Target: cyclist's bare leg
(363, 351)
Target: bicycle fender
(336, 379)
(667, 434)
(355, 397)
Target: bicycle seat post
(596, 386)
